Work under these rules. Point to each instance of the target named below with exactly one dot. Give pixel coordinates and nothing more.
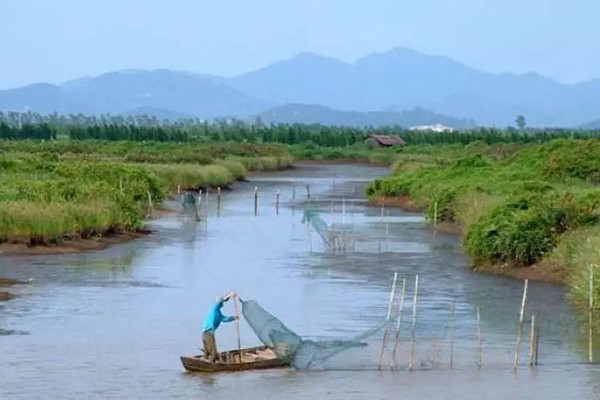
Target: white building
(432, 128)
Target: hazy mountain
(404, 79)
(310, 114)
(162, 92)
(397, 80)
(595, 124)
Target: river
(113, 323)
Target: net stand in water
(303, 354)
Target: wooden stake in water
(591, 316)
(308, 191)
(178, 190)
(277, 202)
(397, 341)
(414, 325)
(452, 328)
(479, 356)
(150, 205)
(255, 200)
(294, 193)
(389, 314)
(219, 201)
(343, 211)
(435, 213)
(197, 205)
(382, 207)
(520, 325)
(532, 342)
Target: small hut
(384, 141)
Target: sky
(57, 40)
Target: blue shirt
(214, 318)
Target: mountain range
(380, 88)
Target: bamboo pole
(479, 350)
(277, 202)
(219, 199)
(255, 200)
(452, 328)
(389, 314)
(591, 316)
(150, 205)
(237, 327)
(532, 342)
(197, 205)
(520, 325)
(414, 324)
(398, 324)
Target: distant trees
(520, 121)
(144, 128)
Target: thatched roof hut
(385, 141)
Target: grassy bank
(518, 205)
(52, 191)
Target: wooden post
(121, 185)
(591, 316)
(218, 201)
(382, 207)
(414, 325)
(452, 328)
(520, 325)
(532, 342)
(150, 206)
(479, 356)
(389, 314)
(343, 211)
(178, 190)
(435, 213)
(197, 205)
(308, 191)
(398, 324)
(256, 200)
(277, 202)
(293, 192)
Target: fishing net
(189, 200)
(333, 239)
(302, 353)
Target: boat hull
(229, 361)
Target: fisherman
(211, 323)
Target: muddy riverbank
(543, 271)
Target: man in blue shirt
(211, 323)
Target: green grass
(61, 189)
(517, 204)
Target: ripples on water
(112, 323)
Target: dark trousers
(210, 346)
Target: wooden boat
(253, 358)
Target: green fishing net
(302, 353)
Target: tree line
(292, 134)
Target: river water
(113, 323)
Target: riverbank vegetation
(518, 205)
(56, 190)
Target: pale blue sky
(56, 40)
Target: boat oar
(237, 326)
